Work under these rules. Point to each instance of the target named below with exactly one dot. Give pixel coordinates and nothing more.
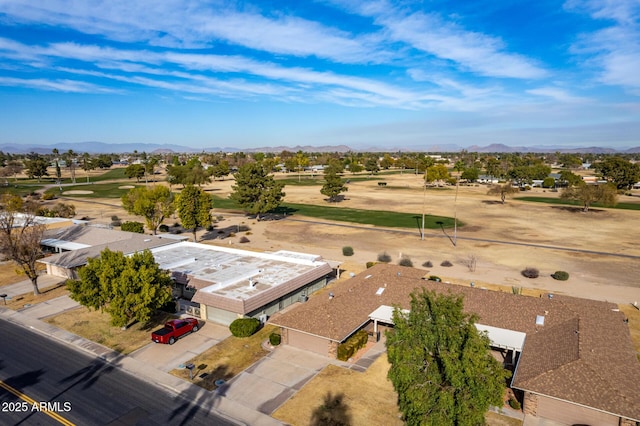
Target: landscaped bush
(243, 228)
(530, 273)
(116, 223)
(347, 349)
(275, 339)
(514, 403)
(244, 327)
(115, 217)
(405, 261)
(446, 263)
(384, 257)
(244, 239)
(428, 264)
(560, 275)
(347, 251)
(133, 227)
(163, 228)
(49, 194)
(434, 278)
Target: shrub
(428, 264)
(347, 251)
(49, 194)
(530, 273)
(243, 228)
(405, 261)
(446, 263)
(434, 278)
(516, 290)
(560, 275)
(370, 264)
(384, 257)
(163, 228)
(513, 403)
(248, 233)
(116, 223)
(274, 339)
(244, 239)
(244, 327)
(347, 349)
(115, 217)
(169, 307)
(133, 227)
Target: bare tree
(20, 236)
(502, 190)
(470, 262)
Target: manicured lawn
(344, 214)
(226, 359)
(559, 201)
(20, 188)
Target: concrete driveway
(169, 357)
(275, 378)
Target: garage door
(219, 316)
(308, 342)
(571, 414)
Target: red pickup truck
(175, 329)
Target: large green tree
(622, 173)
(588, 194)
(154, 204)
(333, 184)
(441, 367)
(20, 236)
(128, 288)
(194, 208)
(256, 190)
(36, 167)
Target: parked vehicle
(175, 329)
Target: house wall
(564, 412)
(283, 302)
(308, 342)
(58, 271)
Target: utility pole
(424, 201)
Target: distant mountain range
(107, 148)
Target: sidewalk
(30, 318)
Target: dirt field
(599, 249)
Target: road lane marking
(31, 402)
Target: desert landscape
(598, 248)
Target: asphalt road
(37, 373)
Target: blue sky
(402, 73)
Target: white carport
(499, 337)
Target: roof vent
(550, 295)
(539, 319)
(380, 291)
(367, 277)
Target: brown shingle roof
(582, 354)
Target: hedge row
(347, 349)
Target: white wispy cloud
(615, 50)
(557, 94)
(436, 35)
(192, 24)
(56, 85)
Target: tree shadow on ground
(574, 209)
(188, 406)
(492, 202)
(332, 412)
